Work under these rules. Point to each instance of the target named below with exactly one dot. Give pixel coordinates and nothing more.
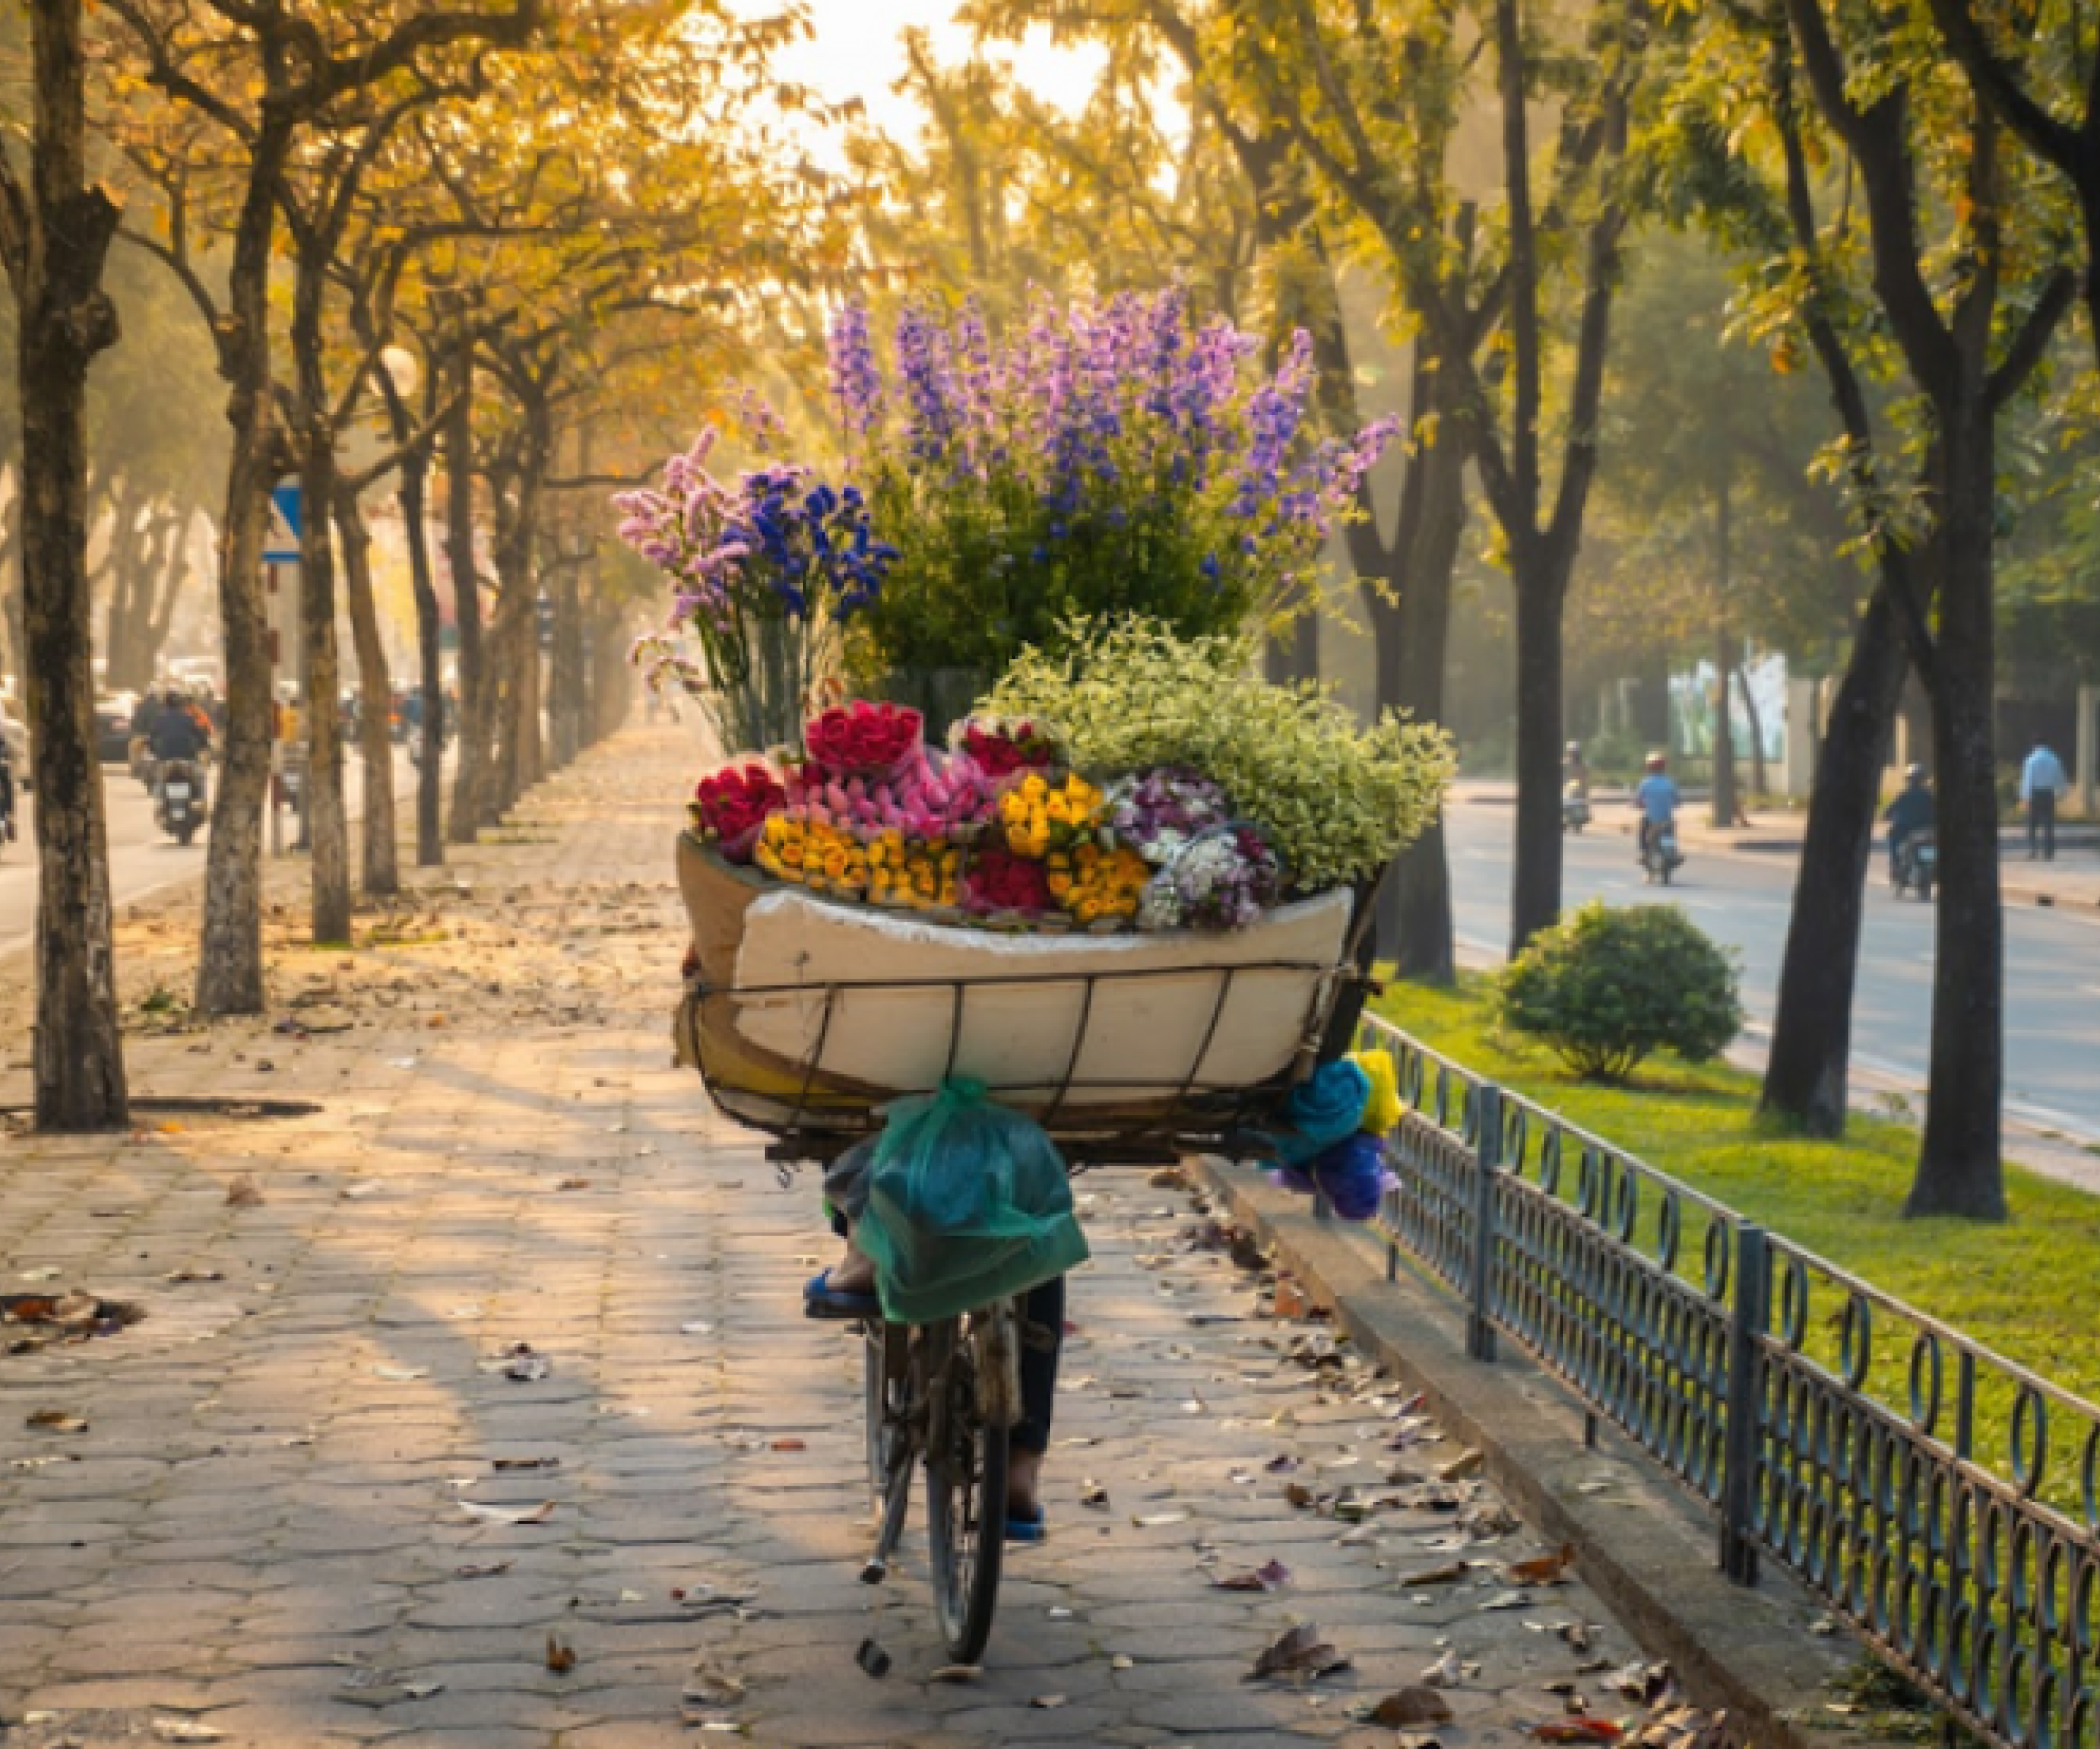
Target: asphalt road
(2052, 957)
(142, 857)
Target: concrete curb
(1644, 1546)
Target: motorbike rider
(178, 733)
(1575, 771)
(1657, 798)
(1911, 812)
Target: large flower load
(1187, 794)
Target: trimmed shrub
(1604, 987)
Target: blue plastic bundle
(1326, 1107)
(1352, 1174)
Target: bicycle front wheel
(966, 1455)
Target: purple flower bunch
(1157, 812)
(1226, 878)
(779, 540)
(1109, 457)
(765, 569)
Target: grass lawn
(2030, 1288)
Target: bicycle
(945, 1397)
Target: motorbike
(179, 802)
(1574, 806)
(1917, 865)
(1661, 859)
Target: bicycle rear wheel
(966, 1456)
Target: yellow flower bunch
(820, 857)
(1092, 883)
(1038, 817)
(912, 872)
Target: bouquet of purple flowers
(1157, 812)
(1222, 879)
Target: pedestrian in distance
(2042, 780)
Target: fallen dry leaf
(539, 1514)
(1300, 1653)
(1443, 1575)
(57, 1421)
(1092, 1493)
(560, 1656)
(790, 1445)
(711, 1685)
(1582, 1731)
(1464, 1467)
(1270, 1576)
(957, 1673)
(1445, 1672)
(1544, 1570)
(487, 1570)
(1416, 1704)
(244, 1193)
(171, 1730)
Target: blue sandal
(820, 1299)
(1028, 1527)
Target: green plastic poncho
(967, 1202)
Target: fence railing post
(1487, 1160)
(1749, 1318)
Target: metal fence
(1943, 1499)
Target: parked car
(113, 728)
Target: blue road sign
(280, 546)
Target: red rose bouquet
(862, 740)
(731, 807)
(1000, 747)
(997, 881)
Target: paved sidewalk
(323, 1494)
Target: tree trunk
(1960, 1171)
(165, 593)
(381, 871)
(1807, 1071)
(327, 818)
(613, 676)
(1413, 634)
(430, 774)
(472, 740)
(1535, 877)
(64, 319)
(566, 675)
(1760, 777)
(1727, 803)
(230, 956)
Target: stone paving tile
(269, 1502)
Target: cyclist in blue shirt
(1657, 798)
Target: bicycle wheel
(883, 1387)
(965, 1489)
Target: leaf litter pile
(31, 1321)
(1427, 1516)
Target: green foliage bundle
(1337, 801)
(1606, 986)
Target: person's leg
(2034, 826)
(1042, 1337)
(2048, 799)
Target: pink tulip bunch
(922, 802)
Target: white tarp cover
(1143, 1037)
